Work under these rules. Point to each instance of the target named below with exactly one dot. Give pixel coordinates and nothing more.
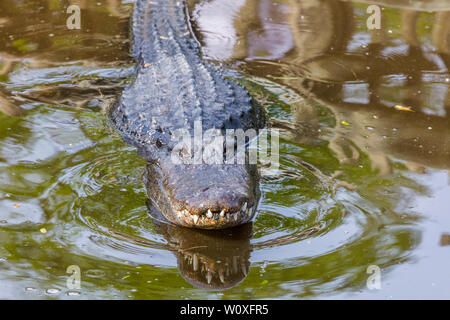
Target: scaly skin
(173, 89)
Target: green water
(360, 183)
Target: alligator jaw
(204, 196)
(216, 220)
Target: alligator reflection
(213, 260)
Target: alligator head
(204, 196)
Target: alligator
(174, 88)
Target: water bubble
(52, 291)
(94, 273)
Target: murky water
(364, 117)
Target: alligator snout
(204, 196)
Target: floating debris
(445, 240)
(402, 108)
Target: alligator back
(174, 87)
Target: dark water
(364, 117)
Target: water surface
(363, 181)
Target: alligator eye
(159, 143)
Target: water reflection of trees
(362, 75)
(44, 41)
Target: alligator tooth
(195, 262)
(209, 214)
(249, 211)
(235, 217)
(235, 264)
(195, 217)
(228, 216)
(209, 277)
(222, 213)
(221, 277)
(244, 207)
(244, 269)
